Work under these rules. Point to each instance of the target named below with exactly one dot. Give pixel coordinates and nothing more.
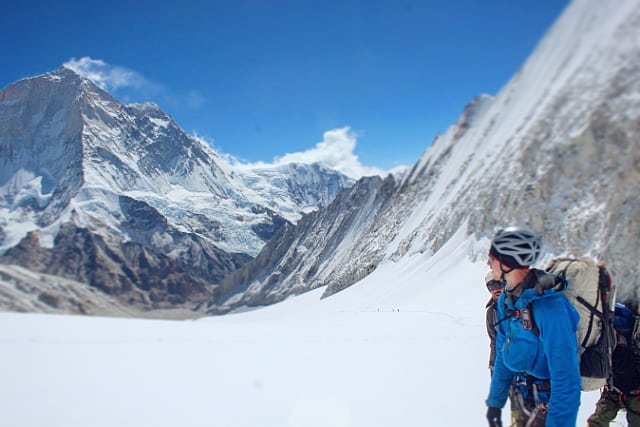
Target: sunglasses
(494, 285)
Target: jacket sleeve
(557, 321)
(501, 377)
(491, 319)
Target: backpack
(590, 291)
(626, 355)
(635, 328)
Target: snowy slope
(556, 149)
(394, 349)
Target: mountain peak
(64, 72)
(473, 111)
(126, 182)
(61, 75)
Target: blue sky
(260, 79)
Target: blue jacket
(552, 354)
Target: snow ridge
(73, 157)
(556, 149)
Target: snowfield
(406, 346)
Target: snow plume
(108, 77)
(131, 86)
(335, 151)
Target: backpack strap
(528, 320)
(526, 314)
(591, 316)
(545, 281)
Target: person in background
(624, 393)
(495, 289)
(535, 338)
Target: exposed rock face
(139, 277)
(314, 252)
(24, 290)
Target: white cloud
(108, 77)
(335, 151)
(131, 86)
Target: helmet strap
(504, 272)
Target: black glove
(494, 415)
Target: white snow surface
(406, 346)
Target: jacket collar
(536, 284)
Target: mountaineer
(536, 338)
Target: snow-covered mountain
(556, 149)
(118, 196)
